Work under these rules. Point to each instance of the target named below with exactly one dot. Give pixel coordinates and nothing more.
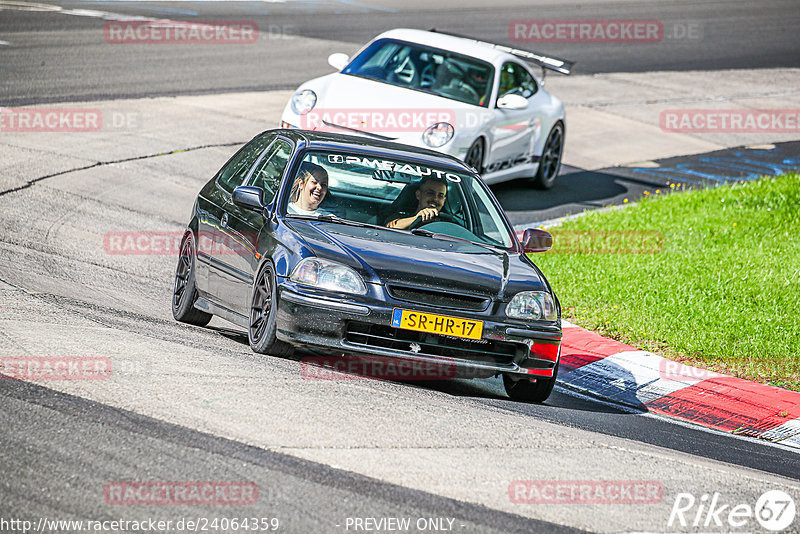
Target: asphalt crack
(30, 183)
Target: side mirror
(512, 102)
(249, 197)
(536, 240)
(338, 60)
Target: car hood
(344, 93)
(386, 256)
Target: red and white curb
(600, 367)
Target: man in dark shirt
(431, 194)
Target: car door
(215, 211)
(514, 131)
(242, 229)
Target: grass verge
(708, 277)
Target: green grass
(708, 277)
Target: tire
(550, 162)
(526, 390)
(263, 322)
(474, 157)
(184, 291)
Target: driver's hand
(427, 214)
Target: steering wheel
(455, 69)
(442, 217)
(467, 88)
(459, 82)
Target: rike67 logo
(774, 511)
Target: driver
(478, 78)
(431, 194)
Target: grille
(387, 337)
(440, 299)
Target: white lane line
(28, 6)
(91, 13)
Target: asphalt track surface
(58, 448)
(55, 57)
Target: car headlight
(532, 306)
(438, 134)
(304, 101)
(329, 275)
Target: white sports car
(478, 101)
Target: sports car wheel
(184, 293)
(550, 162)
(263, 323)
(526, 390)
(474, 156)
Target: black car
(353, 247)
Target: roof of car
(444, 41)
(328, 140)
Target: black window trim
(288, 141)
(249, 170)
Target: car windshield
(422, 68)
(354, 188)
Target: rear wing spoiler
(563, 66)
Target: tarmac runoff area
(63, 293)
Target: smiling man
(431, 194)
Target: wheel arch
(482, 137)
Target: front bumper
(352, 327)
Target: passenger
(431, 194)
(309, 190)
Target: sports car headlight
(438, 134)
(533, 306)
(330, 275)
(304, 101)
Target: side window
(515, 80)
(233, 173)
(268, 172)
(490, 226)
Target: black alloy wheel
(184, 292)
(550, 162)
(263, 323)
(474, 156)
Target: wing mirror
(536, 240)
(249, 197)
(338, 60)
(512, 102)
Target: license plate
(437, 324)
